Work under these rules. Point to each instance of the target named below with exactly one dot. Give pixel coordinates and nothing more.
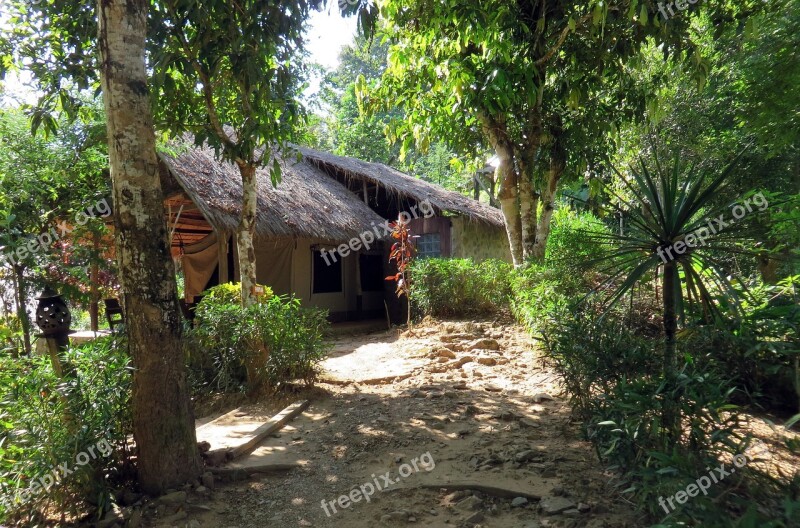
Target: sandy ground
(465, 421)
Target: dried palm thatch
(400, 184)
(306, 204)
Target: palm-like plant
(673, 228)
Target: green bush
(225, 337)
(612, 375)
(458, 287)
(47, 421)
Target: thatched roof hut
(351, 171)
(321, 196)
(306, 204)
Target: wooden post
(224, 272)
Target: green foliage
(457, 287)
(47, 421)
(226, 337)
(613, 378)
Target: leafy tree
(228, 73)
(526, 78)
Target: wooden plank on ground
(245, 442)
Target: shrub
(226, 339)
(457, 287)
(47, 421)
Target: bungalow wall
(349, 288)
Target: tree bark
(162, 419)
(94, 278)
(246, 232)
(669, 415)
(554, 173)
(22, 308)
(528, 206)
(508, 178)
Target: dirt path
(457, 405)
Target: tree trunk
(528, 206)
(554, 173)
(163, 425)
(22, 308)
(506, 175)
(669, 416)
(246, 232)
(94, 278)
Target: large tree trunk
(246, 232)
(554, 173)
(162, 420)
(508, 178)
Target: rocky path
(464, 427)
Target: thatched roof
(309, 202)
(306, 204)
(400, 184)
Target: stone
(456, 496)
(396, 516)
(208, 480)
(485, 343)
(474, 518)
(493, 388)
(176, 497)
(445, 353)
(460, 385)
(193, 524)
(471, 503)
(542, 396)
(583, 507)
(518, 502)
(525, 456)
(135, 520)
(526, 422)
(487, 361)
(556, 505)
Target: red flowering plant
(402, 254)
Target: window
(327, 276)
(429, 245)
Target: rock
(583, 507)
(487, 361)
(525, 456)
(572, 512)
(460, 385)
(445, 353)
(474, 518)
(471, 503)
(135, 520)
(460, 362)
(493, 388)
(525, 422)
(203, 447)
(519, 502)
(485, 343)
(208, 480)
(542, 396)
(556, 505)
(396, 516)
(193, 524)
(176, 497)
(456, 496)
(129, 498)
